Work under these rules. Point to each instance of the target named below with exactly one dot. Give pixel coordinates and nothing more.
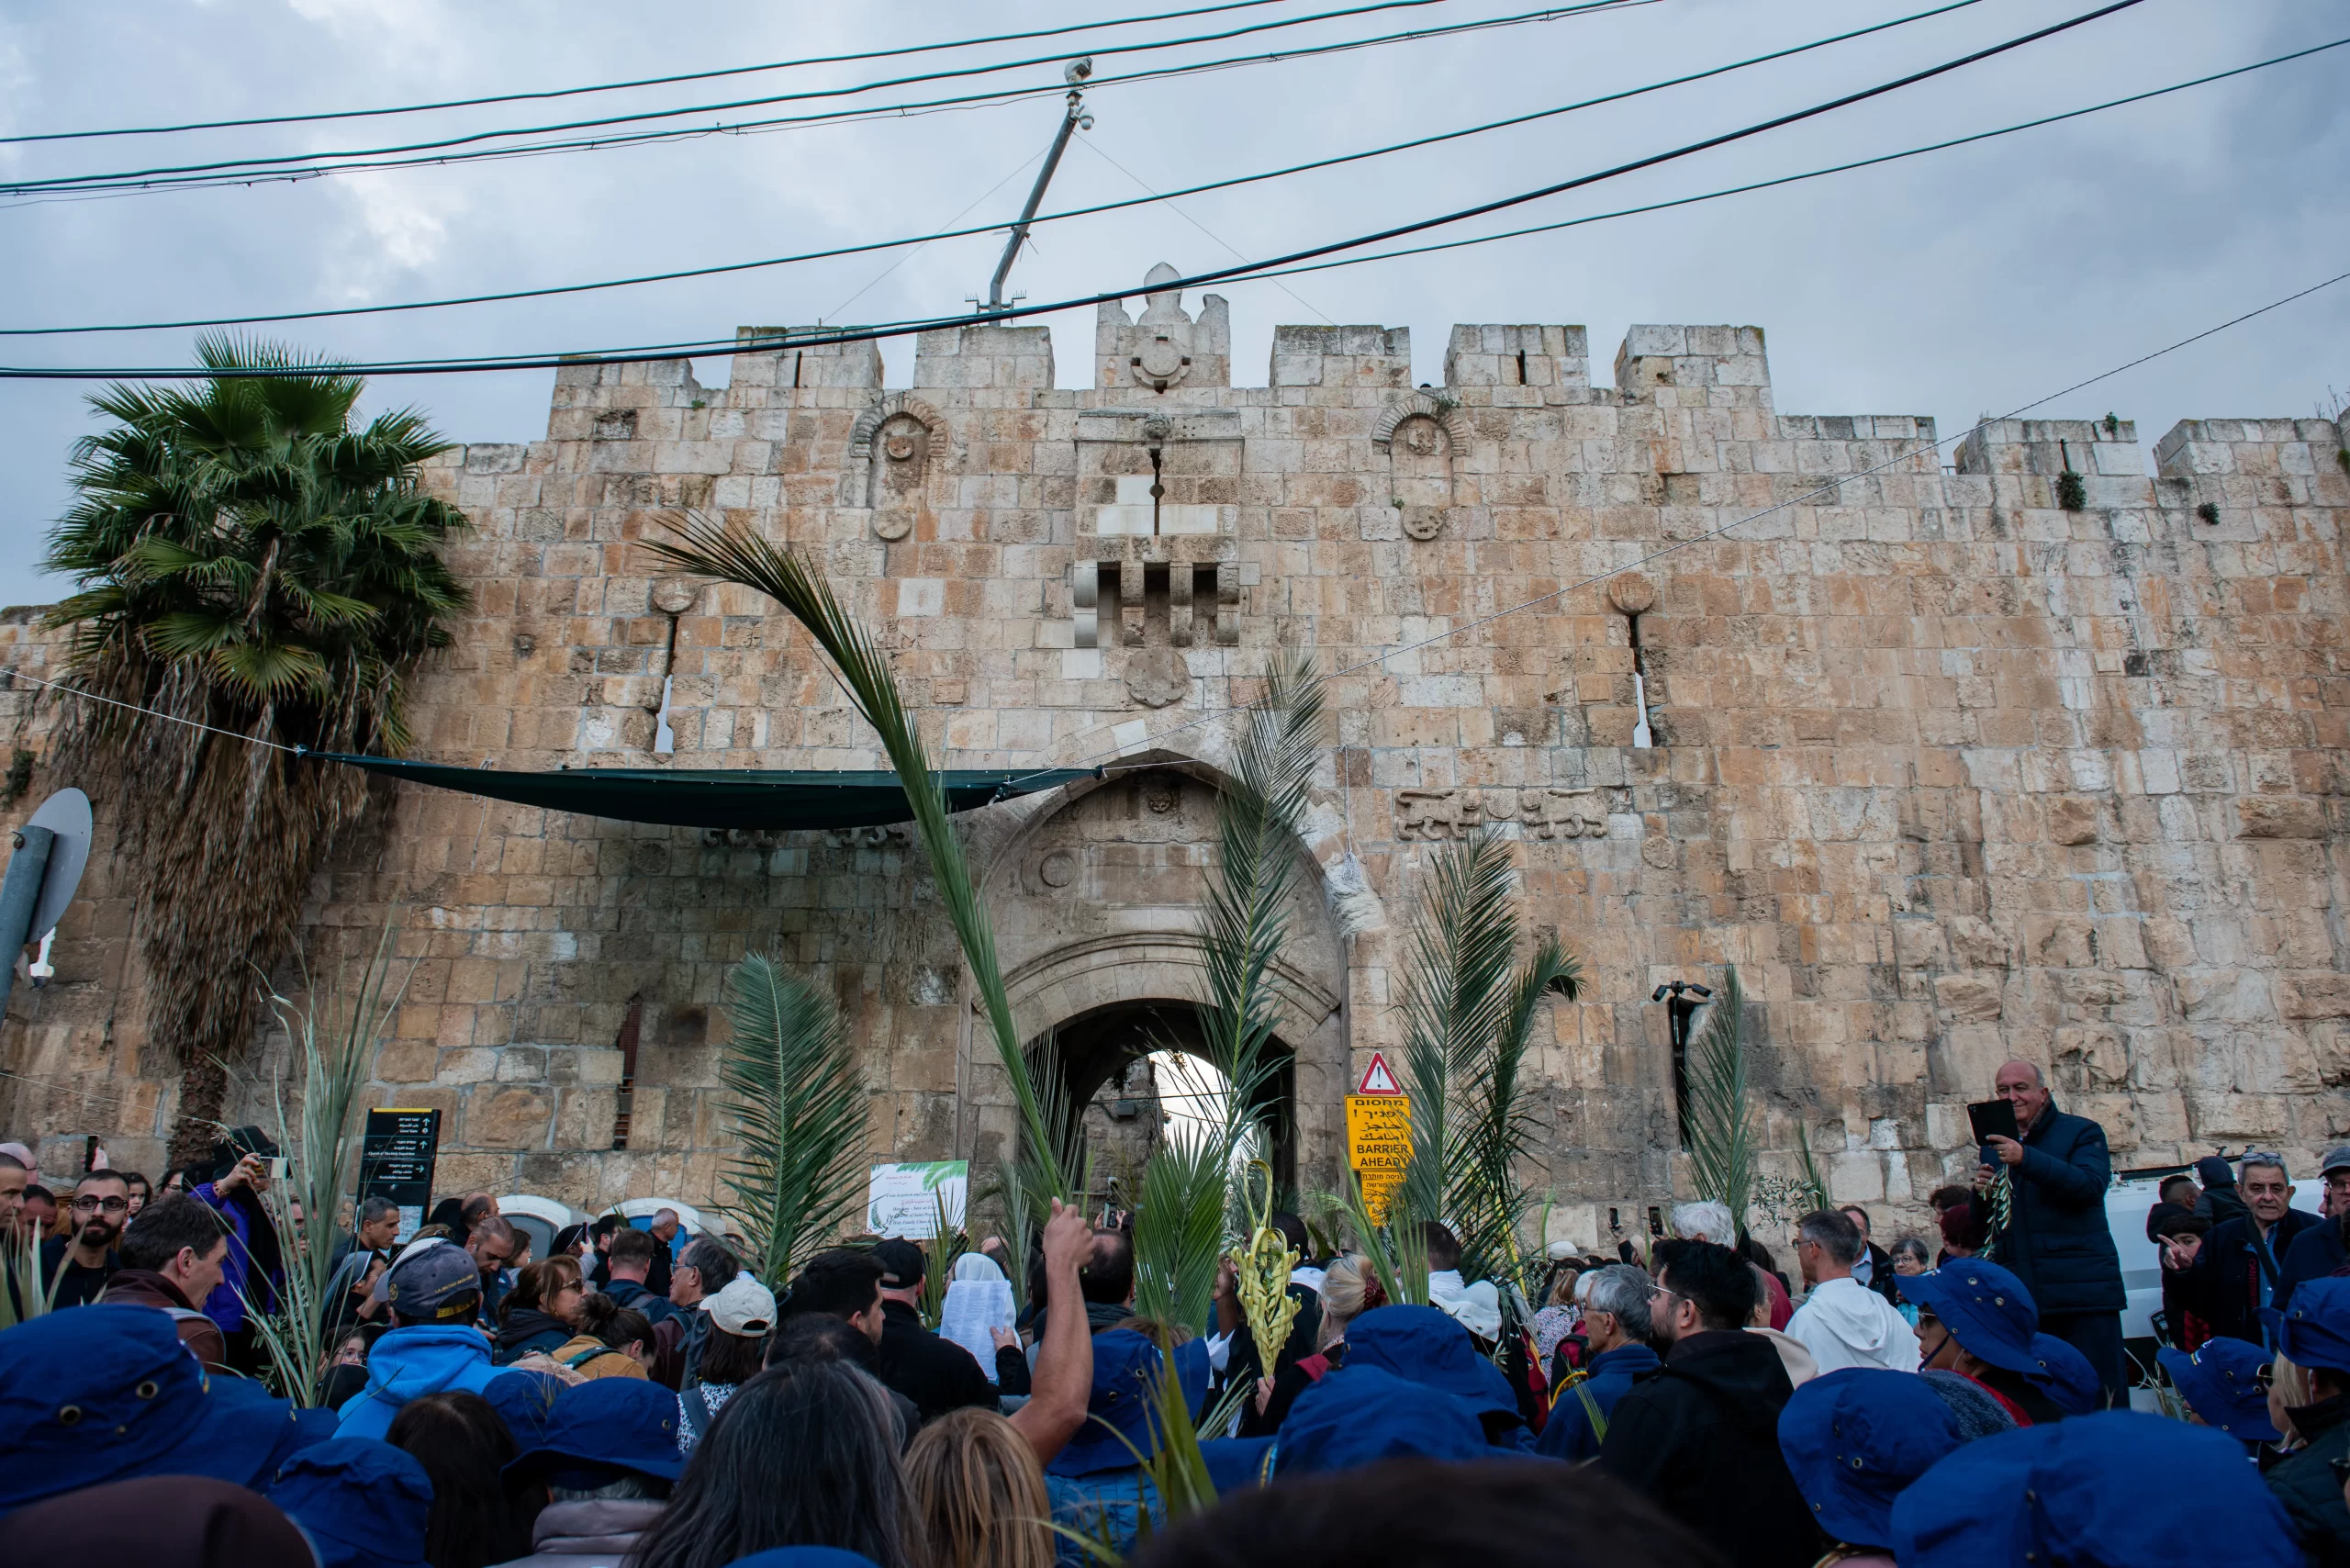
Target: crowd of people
(639, 1396)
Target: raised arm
(1064, 1377)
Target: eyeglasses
(91, 1205)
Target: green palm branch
(336, 1032)
(1188, 1186)
(732, 553)
(247, 558)
(1721, 1118)
(1455, 995)
(795, 1110)
(1488, 1201)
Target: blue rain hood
(410, 1362)
(1361, 1414)
(1423, 1345)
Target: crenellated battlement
(2015, 750)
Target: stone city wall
(1952, 772)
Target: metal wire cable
(7, 676)
(1196, 280)
(639, 81)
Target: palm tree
(248, 562)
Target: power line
(9, 676)
(313, 165)
(639, 81)
(1807, 175)
(1830, 488)
(727, 267)
(1196, 280)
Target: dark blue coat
(2222, 1285)
(1568, 1434)
(2056, 1241)
(2316, 1252)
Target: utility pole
(1073, 118)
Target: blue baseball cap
(603, 1427)
(363, 1504)
(107, 1393)
(1423, 1345)
(2315, 1330)
(1855, 1439)
(2221, 1382)
(525, 1402)
(1118, 1421)
(2097, 1492)
(1359, 1415)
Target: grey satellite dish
(66, 815)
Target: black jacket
(1880, 1274)
(1700, 1438)
(2222, 1285)
(527, 1329)
(2306, 1483)
(2056, 1241)
(937, 1374)
(2316, 1252)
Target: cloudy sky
(1963, 281)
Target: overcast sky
(1953, 285)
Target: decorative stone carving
(1631, 593)
(1157, 677)
(1165, 347)
(1544, 814)
(1420, 435)
(894, 448)
(778, 837)
(674, 596)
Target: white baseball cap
(746, 1307)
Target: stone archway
(1094, 903)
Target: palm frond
(1488, 1203)
(1454, 996)
(1178, 1229)
(335, 1033)
(1722, 1121)
(704, 547)
(1814, 1183)
(795, 1113)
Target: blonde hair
(977, 1495)
(1349, 1287)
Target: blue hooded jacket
(410, 1362)
(1423, 1345)
(1569, 1434)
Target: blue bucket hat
(2315, 1330)
(802, 1556)
(1118, 1413)
(1360, 1415)
(601, 1427)
(1855, 1439)
(1423, 1345)
(1993, 1317)
(525, 1402)
(363, 1504)
(107, 1393)
(2221, 1382)
(2099, 1492)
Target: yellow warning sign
(1378, 1145)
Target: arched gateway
(1094, 903)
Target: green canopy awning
(721, 799)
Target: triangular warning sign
(1377, 1079)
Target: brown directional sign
(396, 1161)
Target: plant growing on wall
(732, 553)
(795, 1109)
(252, 563)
